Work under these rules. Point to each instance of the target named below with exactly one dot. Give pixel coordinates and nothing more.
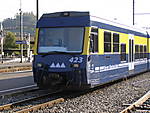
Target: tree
(10, 41)
(13, 24)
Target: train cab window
(123, 52)
(107, 41)
(137, 53)
(94, 40)
(145, 52)
(115, 42)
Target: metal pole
(28, 47)
(37, 10)
(2, 38)
(2, 49)
(21, 32)
(133, 12)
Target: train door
(94, 40)
(131, 52)
(93, 59)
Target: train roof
(105, 22)
(64, 19)
(66, 14)
(76, 18)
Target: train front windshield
(69, 40)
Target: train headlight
(39, 65)
(76, 65)
(65, 14)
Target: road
(14, 80)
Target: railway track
(28, 105)
(141, 105)
(46, 99)
(23, 106)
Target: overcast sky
(117, 10)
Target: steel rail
(13, 69)
(12, 105)
(50, 103)
(42, 106)
(146, 111)
(136, 104)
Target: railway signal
(27, 42)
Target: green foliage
(16, 53)
(10, 41)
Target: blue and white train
(77, 50)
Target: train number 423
(76, 59)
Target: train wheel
(44, 80)
(43, 83)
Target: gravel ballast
(109, 99)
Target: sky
(116, 10)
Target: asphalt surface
(13, 80)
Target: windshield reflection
(60, 39)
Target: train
(75, 50)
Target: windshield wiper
(53, 52)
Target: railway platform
(15, 64)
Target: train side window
(94, 40)
(145, 52)
(123, 52)
(115, 42)
(137, 53)
(141, 51)
(107, 41)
